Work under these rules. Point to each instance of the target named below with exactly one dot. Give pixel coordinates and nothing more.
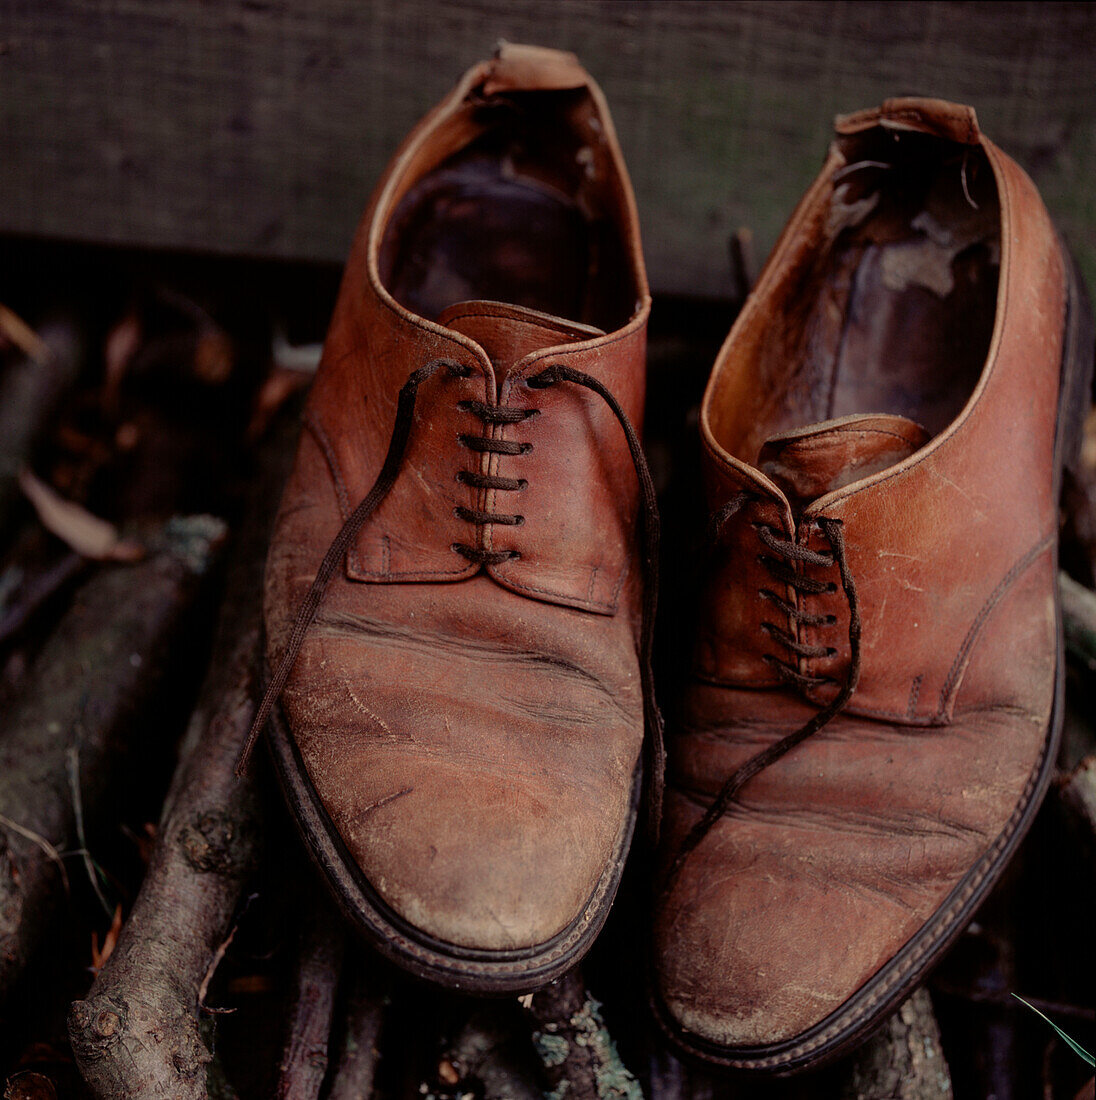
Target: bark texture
(579, 1056)
(904, 1060)
(304, 1063)
(359, 1052)
(140, 1032)
(1077, 796)
(92, 681)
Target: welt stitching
(941, 921)
(356, 568)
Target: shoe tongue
(508, 333)
(809, 462)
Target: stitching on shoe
(610, 607)
(915, 692)
(954, 675)
(357, 569)
(941, 924)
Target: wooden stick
(1079, 620)
(140, 1030)
(1077, 798)
(904, 1060)
(579, 1057)
(97, 672)
(304, 1061)
(366, 1003)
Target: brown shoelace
(781, 563)
(488, 414)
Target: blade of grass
(1072, 1043)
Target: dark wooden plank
(257, 127)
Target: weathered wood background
(257, 127)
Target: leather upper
(835, 857)
(472, 727)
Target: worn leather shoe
(454, 589)
(875, 703)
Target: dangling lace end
(833, 529)
(656, 780)
(258, 724)
(397, 445)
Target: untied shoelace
(397, 447)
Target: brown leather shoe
(460, 727)
(875, 705)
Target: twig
(218, 958)
(51, 852)
(140, 1031)
(490, 1057)
(904, 1060)
(108, 650)
(36, 591)
(304, 1061)
(574, 1045)
(72, 762)
(358, 1053)
(1077, 799)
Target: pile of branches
(161, 934)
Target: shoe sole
(872, 1004)
(469, 970)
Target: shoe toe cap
(474, 856)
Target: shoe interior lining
(525, 213)
(888, 304)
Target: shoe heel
(1078, 357)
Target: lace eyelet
(459, 370)
(542, 380)
(522, 483)
(519, 521)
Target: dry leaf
(99, 955)
(121, 346)
(23, 336)
(88, 535)
(214, 355)
(280, 385)
(29, 1085)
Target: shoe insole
(906, 299)
(475, 229)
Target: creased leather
(472, 732)
(834, 858)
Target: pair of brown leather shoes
(460, 588)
